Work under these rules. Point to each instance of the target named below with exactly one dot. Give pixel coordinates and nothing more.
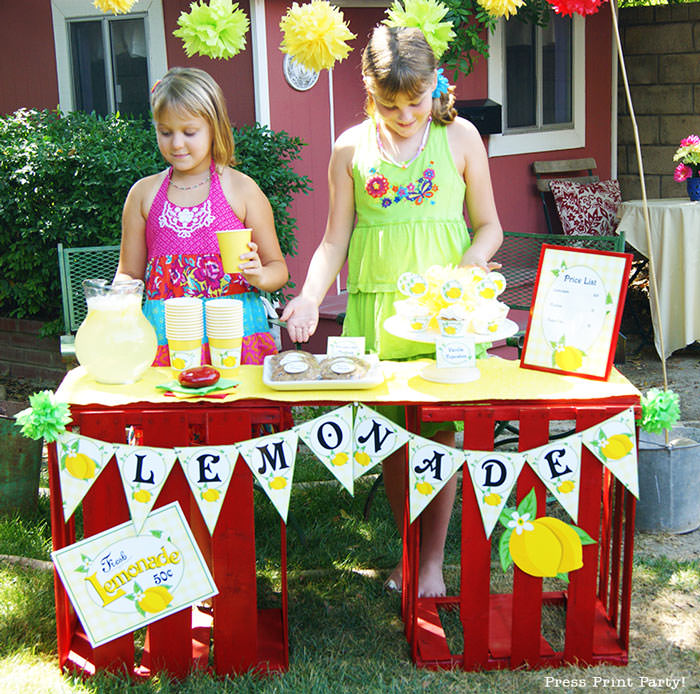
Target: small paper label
(455, 352)
(345, 346)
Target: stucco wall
(662, 54)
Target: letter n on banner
(558, 465)
(208, 470)
(143, 471)
(330, 439)
(271, 459)
(493, 476)
(375, 438)
(430, 467)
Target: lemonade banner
(374, 438)
(558, 465)
(80, 462)
(493, 475)
(208, 470)
(143, 471)
(330, 439)
(613, 443)
(120, 580)
(430, 467)
(271, 459)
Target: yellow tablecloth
(675, 242)
(500, 380)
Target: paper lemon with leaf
(423, 487)
(155, 599)
(362, 458)
(566, 357)
(615, 446)
(542, 546)
(79, 465)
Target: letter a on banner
(613, 442)
(143, 471)
(493, 476)
(208, 470)
(558, 465)
(430, 466)
(375, 437)
(330, 439)
(80, 462)
(271, 459)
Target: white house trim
(62, 11)
(261, 80)
(547, 140)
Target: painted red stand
(505, 630)
(244, 636)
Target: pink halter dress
(184, 260)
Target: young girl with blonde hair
(404, 174)
(170, 219)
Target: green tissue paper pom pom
(660, 410)
(45, 418)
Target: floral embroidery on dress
(423, 189)
(184, 221)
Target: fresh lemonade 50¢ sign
(119, 581)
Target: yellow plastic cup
(226, 354)
(184, 354)
(232, 244)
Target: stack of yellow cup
(225, 333)
(184, 329)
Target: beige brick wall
(662, 54)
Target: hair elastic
(155, 84)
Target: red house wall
(27, 56)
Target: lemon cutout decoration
(80, 466)
(424, 488)
(143, 496)
(211, 495)
(277, 482)
(567, 358)
(492, 499)
(542, 546)
(339, 459)
(362, 458)
(617, 446)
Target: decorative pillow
(588, 209)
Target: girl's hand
(251, 266)
(473, 257)
(301, 315)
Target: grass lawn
(345, 632)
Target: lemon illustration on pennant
(339, 459)
(80, 466)
(211, 494)
(277, 482)
(424, 488)
(617, 446)
(362, 458)
(155, 599)
(492, 499)
(568, 358)
(143, 496)
(566, 486)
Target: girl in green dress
(404, 174)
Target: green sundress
(408, 219)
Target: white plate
(371, 379)
(398, 326)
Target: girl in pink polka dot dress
(170, 219)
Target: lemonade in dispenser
(115, 343)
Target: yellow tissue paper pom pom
(427, 16)
(315, 35)
(115, 6)
(216, 30)
(501, 8)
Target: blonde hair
(398, 60)
(193, 91)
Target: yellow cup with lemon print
(184, 354)
(226, 354)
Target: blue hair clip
(442, 85)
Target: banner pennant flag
(143, 471)
(613, 442)
(330, 439)
(558, 465)
(271, 459)
(374, 438)
(208, 470)
(493, 475)
(430, 467)
(80, 462)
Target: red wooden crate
(244, 637)
(505, 630)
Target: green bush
(64, 178)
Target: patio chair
(74, 266)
